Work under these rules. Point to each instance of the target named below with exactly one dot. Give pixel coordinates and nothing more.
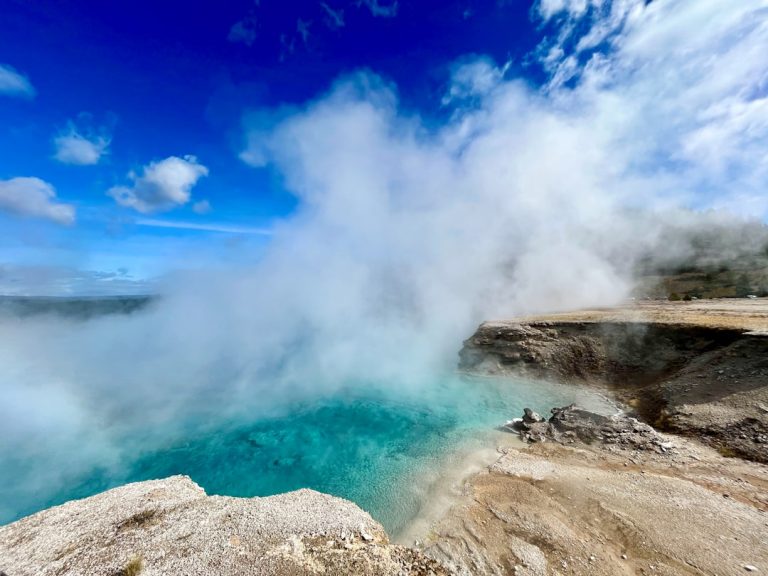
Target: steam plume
(409, 233)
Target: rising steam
(408, 234)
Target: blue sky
(138, 117)
(159, 79)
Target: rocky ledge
(699, 369)
(171, 526)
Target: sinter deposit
(172, 527)
(596, 494)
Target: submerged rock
(172, 527)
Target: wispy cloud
(289, 42)
(205, 227)
(287, 46)
(202, 207)
(161, 186)
(573, 8)
(474, 78)
(334, 19)
(579, 27)
(302, 29)
(81, 146)
(13, 83)
(678, 86)
(34, 198)
(380, 10)
(244, 31)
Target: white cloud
(473, 78)
(523, 188)
(83, 148)
(573, 8)
(681, 88)
(12, 83)
(34, 198)
(598, 21)
(161, 185)
(380, 10)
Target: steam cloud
(409, 233)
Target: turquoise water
(374, 448)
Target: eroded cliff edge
(697, 369)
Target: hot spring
(379, 451)
(75, 422)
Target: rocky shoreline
(676, 483)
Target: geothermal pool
(382, 450)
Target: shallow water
(376, 448)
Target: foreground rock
(607, 496)
(698, 369)
(172, 527)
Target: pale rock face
(172, 527)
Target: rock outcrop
(699, 376)
(571, 424)
(171, 526)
